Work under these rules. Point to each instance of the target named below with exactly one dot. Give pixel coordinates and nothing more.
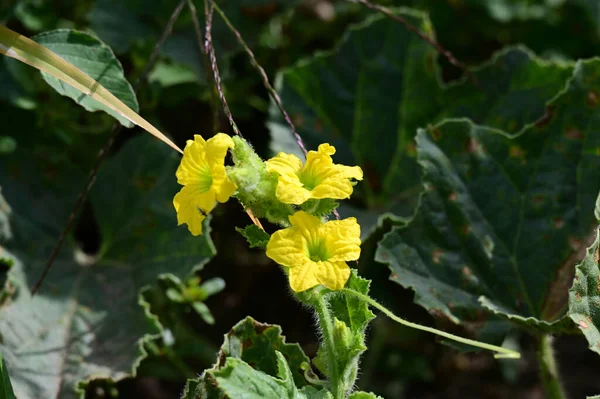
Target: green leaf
(88, 320)
(503, 217)
(364, 395)
(7, 145)
(351, 310)
(584, 295)
(256, 344)
(239, 380)
(95, 59)
(256, 237)
(383, 81)
(351, 318)
(6, 389)
(597, 210)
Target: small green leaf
(7, 145)
(256, 237)
(95, 59)
(237, 379)
(6, 389)
(320, 208)
(204, 312)
(351, 318)
(364, 395)
(174, 295)
(212, 286)
(584, 295)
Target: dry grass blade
(26, 50)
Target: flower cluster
(283, 190)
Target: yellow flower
(204, 179)
(316, 252)
(318, 178)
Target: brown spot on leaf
(558, 222)
(578, 296)
(437, 255)
(318, 126)
(394, 276)
(436, 134)
(384, 256)
(411, 149)
(247, 343)
(466, 271)
(453, 197)
(516, 151)
(545, 119)
(597, 256)
(592, 98)
(298, 120)
(260, 327)
(538, 200)
(472, 145)
(574, 243)
(574, 134)
(466, 229)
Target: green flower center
(205, 179)
(309, 179)
(317, 250)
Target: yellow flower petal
(291, 191)
(332, 275)
(193, 162)
(221, 185)
(284, 164)
(284, 248)
(316, 252)
(192, 205)
(343, 237)
(305, 224)
(303, 277)
(216, 148)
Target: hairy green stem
(548, 369)
(326, 323)
(502, 353)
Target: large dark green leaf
(584, 296)
(503, 217)
(89, 320)
(95, 59)
(369, 96)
